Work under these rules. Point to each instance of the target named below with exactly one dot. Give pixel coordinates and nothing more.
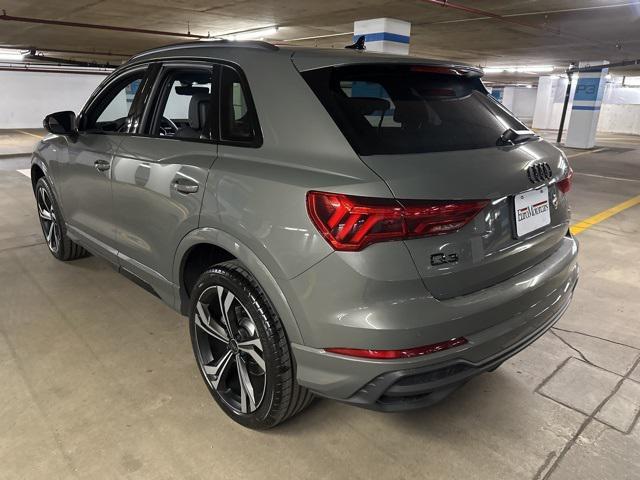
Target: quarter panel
(261, 192)
(251, 262)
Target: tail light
(395, 354)
(564, 185)
(351, 223)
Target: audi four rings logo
(539, 172)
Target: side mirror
(61, 123)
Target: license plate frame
(531, 211)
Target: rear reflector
(395, 354)
(351, 223)
(564, 185)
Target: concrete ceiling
(528, 32)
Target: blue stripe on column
(583, 107)
(380, 36)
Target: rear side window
(186, 104)
(383, 109)
(238, 122)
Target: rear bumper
(498, 322)
(422, 387)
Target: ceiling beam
(62, 23)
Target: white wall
(615, 118)
(26, 97)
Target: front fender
(250, 261)
(46, 152)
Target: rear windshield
(391, 109)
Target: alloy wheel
(48, 219)
(229, 349)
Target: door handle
(184, 185)
(102, 165)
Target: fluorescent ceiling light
(8, 54)
(520, 69)
(252, 34)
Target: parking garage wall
(26, 97)
(619, 112)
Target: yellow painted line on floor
(586, 153)
(32, 134)
(602, 216)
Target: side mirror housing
(61, 123)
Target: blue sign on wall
(587, 89)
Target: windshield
(398, 109)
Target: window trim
(258, 139)
(156, 101)
(105, 88)
(149, 105)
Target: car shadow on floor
(478, 399)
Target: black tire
(281, 397)
(53, 227)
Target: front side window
(390, 109)
(238, 121)
(111, 110)
(186, 105)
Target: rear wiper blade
(512, 137)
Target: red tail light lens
(351, 223)
(395, 354)
(564, 185)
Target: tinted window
(409, 109)
(237, 118)
(110, 112)
(185, 105)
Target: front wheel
(242, 350)
(53, 226)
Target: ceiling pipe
(476, 11)
(61, 23)
(63, 61)
(597, 68)
(511, 20)
(82, 52)
(60, 50)
(545, 12)
(50, 69)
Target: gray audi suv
(370, 228)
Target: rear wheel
(53, 226)
(242, 350)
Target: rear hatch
(434, 134)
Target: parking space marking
(586, 153)
(600, 217)
(25, 171)
(607, 177)
(32, 134)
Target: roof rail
(214, 42)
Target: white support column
(543, 113)
(386, 35)
(508, 97)
(585, 111)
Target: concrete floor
(98, 379)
